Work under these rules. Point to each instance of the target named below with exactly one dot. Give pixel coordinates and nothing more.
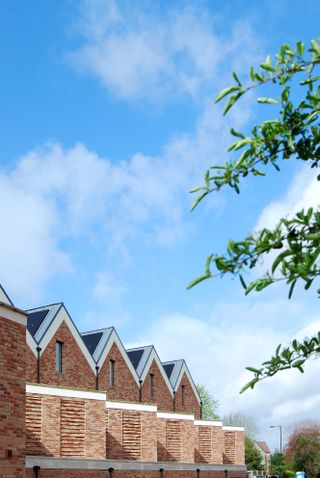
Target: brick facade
(161, 394)
(12, 393)
(76, 371)
(186, 400)
(125, 386)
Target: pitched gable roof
(175, 370)
(143, 357)
(263, 445)
(4, 297)
(99, 343)
(42, 324)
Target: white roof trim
(208, 423)
(232, 429)
(61, 316)
(153, 356)
(4, 297)
(9, 313)
(175, 416)
(132, 406)
(32, 343)
(114, 339)
(184, 369)
(65, 392)
(45, 324)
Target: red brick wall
(76, 371)
(61, 426)
(233, 447)
(131, 435)
(161, 394)
(191, 404)
(176, 440)
(31, 365)
(125, 387)
(12, 398)
(209, 444)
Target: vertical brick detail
(95, 429)
(33, 424)
(205, 444)
(72, 428)
(240, 448)
(51, 427)
(217, 445)
(131, 435)
(114, 445)
(149, 437)
(173, 440)
(229, 455)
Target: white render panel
(132, 406)
(175, 416)
(65, 392)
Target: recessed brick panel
(72, 428)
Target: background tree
(303, 450)
(253, 458)
(238, 419)
(209, 404)
(294, 134)
(277, 465)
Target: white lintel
(175, 416)
(66, 392)
(208, 423)
(232, 429)
(139, 407)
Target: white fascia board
(114, 339)
(232, 429)
(139, 407)
(208, 423)
(175, 416)
(11, 313)
(106, 334)
(184, 369)
(154, 356)
(4, 297)
(66, 392)
(31, 343)
(45, 324)
(61, 316)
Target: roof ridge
(96, 331)
(43, 306)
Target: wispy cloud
(140, 51)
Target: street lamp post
(280, 430)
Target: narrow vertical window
(59, 357)
(151, 383)
(183, 398)
(111, 373)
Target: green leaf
(254, 370)
(269, 101)
(242, 282)
(279, 259)
(225, 92)
(231, 102)
(267, 67)
(300, 48)
(236, 78)
(235, 133)
(291, 288)
(199, 198)
(315, 46)
(208, 262)
(198, 280)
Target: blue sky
(107, 120)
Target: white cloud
(218, 347)
(140, 52)
(303, 192)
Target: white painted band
(12, 314)
(208, 423)
(175, 416)
(232, 429)
(132, 406)
(65, 392)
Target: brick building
(80, 405)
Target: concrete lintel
(92, 464)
